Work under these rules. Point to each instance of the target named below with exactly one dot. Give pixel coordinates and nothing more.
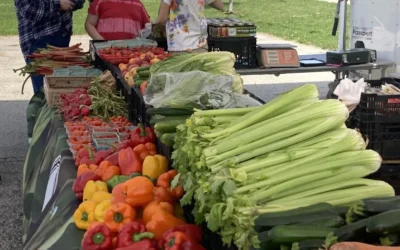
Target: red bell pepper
(123, 145)
(113, 159)
(191, 230)
(80, 183)
(98, 238)
(131, 233)
(145, 244)
(180, 241)
(142, 135)
(129, 162)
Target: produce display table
(339, 72)
(53, 176)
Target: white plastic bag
(350, 93)
(193, 89)
(146, 32)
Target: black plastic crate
(378, 119)
(389, 173)
(97, 61)
(244, 48)
(138, 105)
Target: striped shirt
(119, 19)
(40, 18)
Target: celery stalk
(280, 140)
(305, 92)
(224, 112)
(328, 108)
(296, 151)
(352, 142)
(365, 157)
(370, 189)
(349, 173)
(344, 184)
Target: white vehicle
(375, 24)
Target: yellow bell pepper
(100, 196)
(101, 210)
(155, 165)
(84, 214)
(93, 187)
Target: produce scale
(135, 148)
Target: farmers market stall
(152, 145)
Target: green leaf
(216, 185)
(229, 187)
(175, 181)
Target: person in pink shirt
(116, 19)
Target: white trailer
(376, 24)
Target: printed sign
(53, 179)
(362, 33)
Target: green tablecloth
(49, 173)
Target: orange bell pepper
(161, 194)
(83, 168)
(165, 181)
(155, 206)
(118, 215)
(119, 193)
(161, 222)
(129, 162)
(144, 150)
(102, 168)
(110, 172)
(139, 191)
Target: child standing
(116, 19)
(186, 24)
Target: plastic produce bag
(194, 89)
(350, 93)
(146, 32)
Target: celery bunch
(294, 151)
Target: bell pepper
(102, 168)
(161, 222)
(123, 145)
(113, 158)
(100, 196)
(119, 193)
(115, 180)
(85, 152)
(191, 230)
(84, 214)
(80, 183)
(155, 206)
(145, 244)
(165, 181)
(144, 150)
(142, 135)
(110, 172)
(162, 194)
(143, 87)
(92, 187)
(98, 238)
(129, 162)
(83, 168)
(101, 209)
(180, 241)
(118, 215)
(154, 166)
(139, 191)
(132, 232)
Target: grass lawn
(305, 21)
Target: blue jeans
(59, 39)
